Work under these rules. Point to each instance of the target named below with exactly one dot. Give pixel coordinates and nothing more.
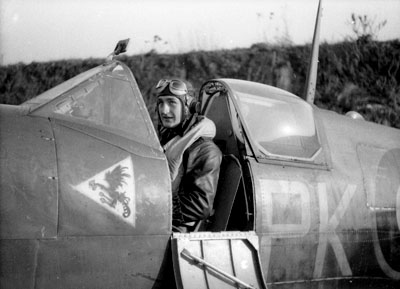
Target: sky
(47, 30)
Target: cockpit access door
(217, 260)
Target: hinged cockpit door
(217, 260)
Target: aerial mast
(313, 64)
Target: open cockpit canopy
(277, 123)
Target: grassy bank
(360, 75)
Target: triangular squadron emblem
(114, 190)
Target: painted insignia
(110, 194)
(113, 189)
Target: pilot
(193, 158)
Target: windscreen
(108, 99)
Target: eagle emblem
(111, 194)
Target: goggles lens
(177, 87)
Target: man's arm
(200, 181)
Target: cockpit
(259, 122)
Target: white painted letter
(327, 230)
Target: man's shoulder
(203, 152)
(205, 145)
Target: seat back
(228, 184)
(217, 110)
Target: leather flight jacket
(196, 184)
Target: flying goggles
(176, 86)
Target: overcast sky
(43, 30)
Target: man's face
(170, 110)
